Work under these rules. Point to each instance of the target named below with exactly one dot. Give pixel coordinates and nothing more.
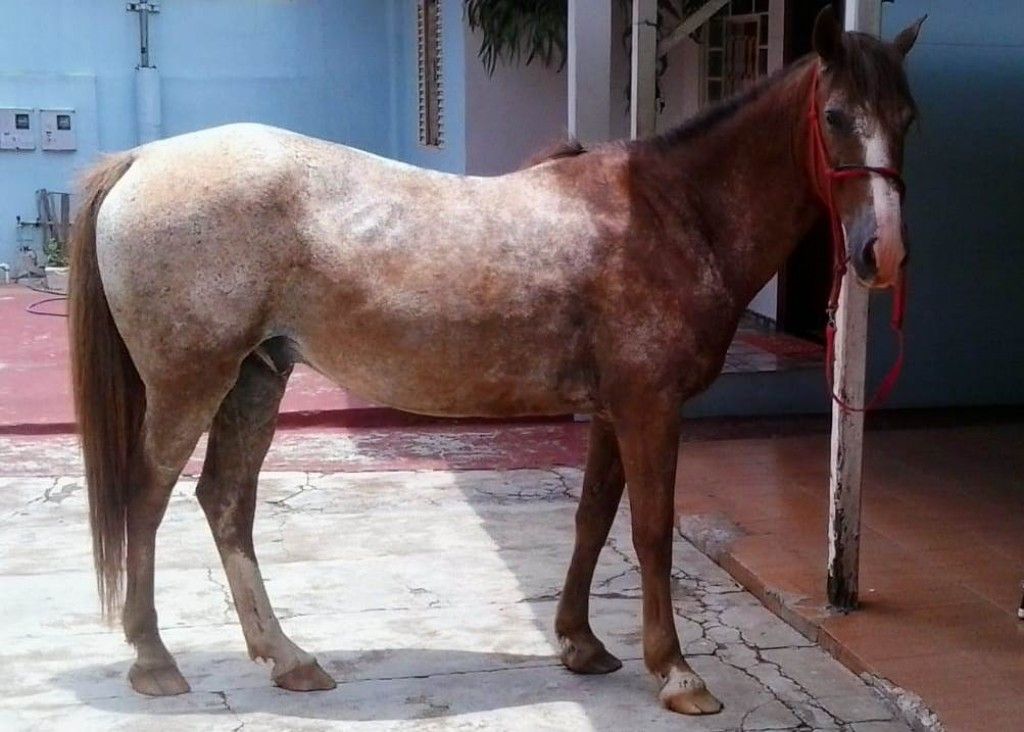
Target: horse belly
(457, 371)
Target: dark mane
(691, 128)
(871, 72)
(720, 112)
(562, 149)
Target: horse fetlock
(275, 647)
(140, 626)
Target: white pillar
(864, 16)
(643, 113)
(148, 113)
(848, 427)
(589, 69)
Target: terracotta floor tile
(888, 628)
(986, 715)
(999, 582)
(942, 554)
(1008, 544)
(912, 590)
(807, 537)
(779, 569)
(792, 516)
(964, 691)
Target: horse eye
(835, 119)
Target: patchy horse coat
(609, 282)
(430, 292)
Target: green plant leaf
(519, 31)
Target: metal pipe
(144, 39)
(143, 9)
(148, 117)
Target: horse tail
(109, 395)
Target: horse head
(863, 109)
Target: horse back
(432, 292)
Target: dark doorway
(805, 279)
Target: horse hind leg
(239, 439)
(171, 428)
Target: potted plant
(56, 265)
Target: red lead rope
(825, 175)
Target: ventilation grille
(431, 94)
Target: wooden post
(643, 113)
(589, 69)
(848, 427)
(693, 21)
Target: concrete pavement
(429, 595)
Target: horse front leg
(581, 651)
(239, 439)
(649, 442)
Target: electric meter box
(57, 129)
(17, 129)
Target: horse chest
(678, 336)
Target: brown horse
(607, 282)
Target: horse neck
(749, 173)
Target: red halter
(824, 175)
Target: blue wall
(965, 206)
(321, 67)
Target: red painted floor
(450, 446)
(35, 392)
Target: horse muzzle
(876, 254)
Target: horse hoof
(684, 692)
(158, 681)
(591, 658)
(307, 677)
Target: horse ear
(828, 35)
(907, 37)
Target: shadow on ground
(502, 681)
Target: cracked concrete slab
(428, 595)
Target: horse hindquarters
(137, 432)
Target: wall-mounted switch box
(57, 129)
(17, 129)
